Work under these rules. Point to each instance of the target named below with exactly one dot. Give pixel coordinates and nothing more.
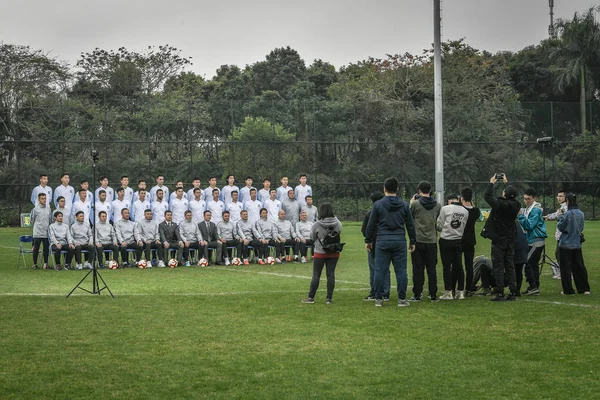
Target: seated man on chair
(147, 237)
(192, 238)
(286, 236)
(80, 238)
(208, 230)
(226, 232)
(59, 242)
(246, 238)
(106, 238)
(124, 229)
(170, 238)
(303, 228)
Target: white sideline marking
(284, 275)
(561, 303)
(176, 294)
(9, 247)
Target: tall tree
(577, 50)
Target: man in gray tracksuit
(40, 220)
(243, 231)
(147, 237)
(264, 233)
(57, 233)
(286, 236)
(124, 230)
(80, 238)
(303, 228)
(192, 238)
(226, 232)
(106, 238)
(292, 207)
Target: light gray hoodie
(80, 233)
(40, 219)
(452, 221)
(58, 233)
(105, 233)
(319, 230)
(124, 230)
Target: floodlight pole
(438, 117)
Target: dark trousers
(532, 269)
(301, 247)
(217, 245)
(393, 251)
(132, 246)
(468, 255)
(386, 279)
(111, 247)
(173, 245)
(57, 254)
(88, 247)
(36, 249)
(202, 251)
(292, 246)
(318, 264)
(519, 268)
(148, 247)
(487, 276)
(232, 243)
(451, 255)
(571, 262)
(503, 260)
(424, 258)
(279, 247)
(259, 248)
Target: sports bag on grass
(331, 242)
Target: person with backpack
(327, 247)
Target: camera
(500, 177)
(417, 196)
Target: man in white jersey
(64, 190)
(136, 195)
(216, 207)
(85, 185)
(212, 185)
(178, 184)
(273, 206)
(127, 189)
(159, 206)
(42, 188)
(253, 207)
(179, 205)
(140, 205)
(245, 191)
(234, 208)
(101, 205)
(62, 208)
(197, 206)
(282, 191)
(265, 193)
(119, 204)
(228, 189)
(160, 180)
(195, 185)
(110, 193)
(82, 205)
(302, 190)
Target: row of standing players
(517, 240)
(160, 199)
(147, 234)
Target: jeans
(387, 251)
(386, 281)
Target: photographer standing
(500, 228)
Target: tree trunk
(582, 100)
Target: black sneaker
(386, 298)
(66, 267)
(416, 298)
(369, 298)
(484, 292)
(498, 297)
(468, 293)
(328, 301)
(511, 297)
(309, 300)
(35, 267)
(434, 299)
(532, 291)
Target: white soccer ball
(142, 264)
(203, 262)
(173, 263)
(270, 260)
(112, 264)
(236, 261)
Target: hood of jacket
(427, 202)
(328, 222)
(391, 203)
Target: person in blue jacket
(532, 221)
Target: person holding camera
(500, 229)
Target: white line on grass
(9, 247)
(284, 275)
(562, 303)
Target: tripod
(96, 277)
(545, 258)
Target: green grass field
(241, 332)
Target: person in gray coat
(40, 220)
(327, 223)
(59, 242)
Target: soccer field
(241, 332)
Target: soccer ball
(142, 264)
(173, 263)
(112, 264)
(203, 262)
(236, 261)
(270, 260)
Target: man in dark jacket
(468, 240)
(500, 228)
(375, 196)
(389, 218)
(170, 238)
(425, 211)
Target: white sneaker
(227, 262)
(88, 265)
(79, 266)
(460, 295)
(148, 264)
(278, 261)
(447, 295)
(303, 260)
(161, 264)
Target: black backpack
(331, 242)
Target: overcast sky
(243, 31)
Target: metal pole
(439, 138)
